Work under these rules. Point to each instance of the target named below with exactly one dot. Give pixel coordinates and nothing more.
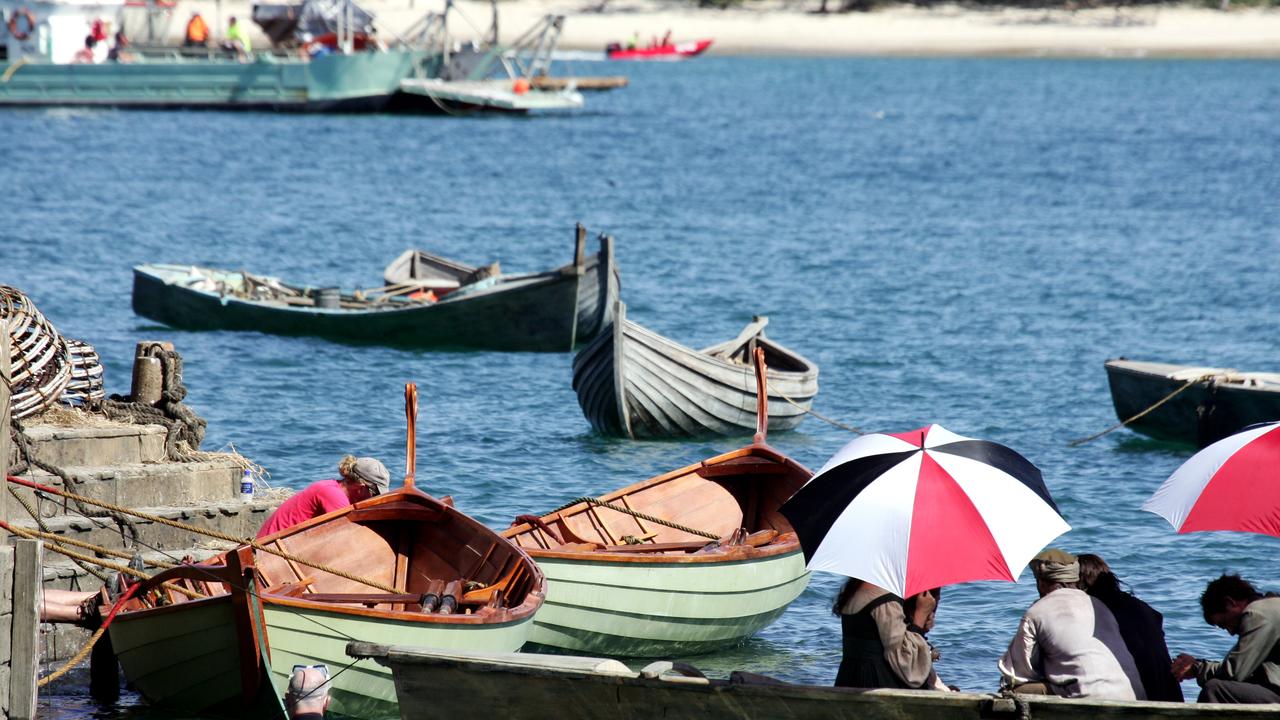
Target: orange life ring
(25, 14)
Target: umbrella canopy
(922, 509)
(1234, 484)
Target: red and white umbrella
(1234, 484)
(922, 509)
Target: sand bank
(777, 27)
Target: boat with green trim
(689, 561)
(481, 308)
(223, 635)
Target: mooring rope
(634, 513)
(1158, 403)
(821, 417)
(208, 533)
(93, 640)
(35, 514)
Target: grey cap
(372, 471)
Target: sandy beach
(774, 27)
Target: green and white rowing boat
(686, 562)
(401, 567)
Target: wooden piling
(6, 552)
(28, 583)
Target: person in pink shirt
(362, 478)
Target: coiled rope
(1158, 403)
(635, 513)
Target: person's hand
(923, 615)
(1183, 667)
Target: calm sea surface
(961, 242)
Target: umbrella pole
(411, 435)
(762, 399)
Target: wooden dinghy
(1204, 404)
(224, 635)
(515, 686)
(548, 311)
(632, 382)
(692, 560)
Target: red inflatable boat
(670, 51)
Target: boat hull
(361, 82)
(632, 382)
(181, 659)
(1201, 414)
(536, 313)
(524, 687)
(366, 690)
(678, 51)
(651, 609)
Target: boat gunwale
(1131, 367)
(784, 544)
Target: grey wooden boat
(632, 382)
(1215, 403)
(548, 311)
(520, 686)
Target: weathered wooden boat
(598, 280)
(1201, 405)
(686, 562)
(223, 636)
(548, 311)
(666, 51)
(519, 686)
(632, 382)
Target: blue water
(953, 241)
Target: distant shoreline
(779, 27)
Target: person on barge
(884, 638)
(1250, 672)
(1068, 643)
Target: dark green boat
(548, 311)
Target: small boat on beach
(1191, 404)
(662, 51)
(632, 382)
(223, 635)
(686, 562)
(456, 307)
(518, 686)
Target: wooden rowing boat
(1204, 404)
(632, 382)
(548, 311)
(516, 686)
(400, 567)
(686, 562)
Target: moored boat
(632, 382)
(548, 311)
(686, 562)
(343, 68)
(664, 51)
(399, 567)
(1191, 404)
(431, 683)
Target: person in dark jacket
(884, 643)
(1141, 627)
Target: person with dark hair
(84, 56)
(884, 642)
(1068, 643)
(1141, 626)
(1250, 673)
